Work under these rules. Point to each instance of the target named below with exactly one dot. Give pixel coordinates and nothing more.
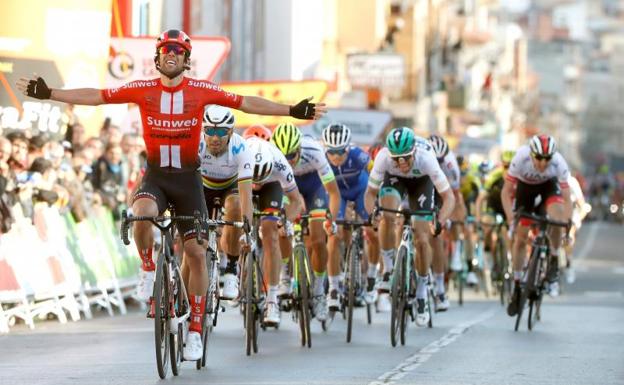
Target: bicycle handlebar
(541, 219)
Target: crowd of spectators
(74, 171)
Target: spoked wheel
(250, 316)
(351, 286)
(523, 298)
(430, 303)
(161, 316)
(212, 310)
(304, 299)
(176, 338)
(397, 292)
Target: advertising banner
(64, 41)
(288, 92)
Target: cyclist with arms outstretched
(171, 109)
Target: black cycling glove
(38, 89)
(303, 110)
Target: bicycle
(251, 301)
(501, 270)
(300, 300)
(403, 281)
(477, 262)
(213, 300)
(353, 270)
(170, 304)
(534, 278)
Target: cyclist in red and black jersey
(171, 111)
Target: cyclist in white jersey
(226, 174)
(317, 184)
(272, 179)
(407, 166)
(448, 163)
(538, 178)
(578, 214)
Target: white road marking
(603, 294)
(589, 243)
(423, 355)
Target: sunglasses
(336, 151)
(216, 131)
(178, 50)
(292, 155)
(406, 158)
(542, 157)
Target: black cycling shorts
(534, 198)
(215, 199)
(181, 190)
(269, 197)
(419, 191)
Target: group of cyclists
(196, 160)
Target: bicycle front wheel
(161, 316)
(303, 278)
(397, 292)
(250, 318)
(353, 254)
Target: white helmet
(440, 146)
(263, 159)
(218, 116)
(336, 135)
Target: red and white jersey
(522, 169)
(172, 117)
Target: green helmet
(286, 137)
(400, 141)
(507, 156)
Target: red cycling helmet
(543, 145)
(174, 36)
(257, 130)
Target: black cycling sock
(232, 263)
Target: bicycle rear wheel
(161, 316)
(430, 302)
(353, 254)
(397, 292)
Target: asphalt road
(580, 340)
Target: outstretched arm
(36, 87)
(302, 110)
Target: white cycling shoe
(145, 287)
(383, 303)
(193, 348)
(319, 304)
(422, 312)
(272, 314)
(230, 287)
(471, 278)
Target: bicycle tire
(523, 297)
(500, 263)
(397, 292)
(430, 300)
(161, 324)
(532, 312)
(369, 313)
(305, 305)
(257, 281)
(248, 301)
(175, 339)
(212, 307)
(353, 253)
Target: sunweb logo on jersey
(156, 123)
